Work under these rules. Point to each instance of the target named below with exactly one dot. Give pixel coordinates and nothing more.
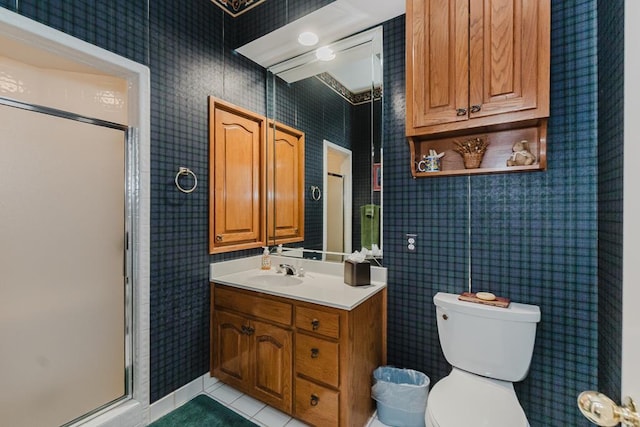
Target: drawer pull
(314, 353)
(314, 400)
(315, 324)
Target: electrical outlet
(412, 242)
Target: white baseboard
(180, 396)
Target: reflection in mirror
(337, 105)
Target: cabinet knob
(314, 400)
(247, 330)
(461, 112)
(314, 353)
(476, 108)
(218, 238)
(315, 324)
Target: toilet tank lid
(516, 312)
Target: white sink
(273, 280)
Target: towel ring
(186, 171)
(316, 194)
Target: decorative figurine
(521, 155)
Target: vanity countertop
(323, 282)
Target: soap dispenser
(266, 259)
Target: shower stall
(74, 254)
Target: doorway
(337, 205)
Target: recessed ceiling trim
(358, 48)
(335, 21)
(236, 7)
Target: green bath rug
(202, 411)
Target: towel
(369, 210)
(369, 225)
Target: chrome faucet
(289, 269)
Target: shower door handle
(602, 411)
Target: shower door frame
(129, 156)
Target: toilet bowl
(488, 348)
(463, 399)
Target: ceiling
(331, 23)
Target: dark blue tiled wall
(533, 235)
(120, 26)
(610, 193)
(191, 59)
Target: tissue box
(357, 273)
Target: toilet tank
(490, 341)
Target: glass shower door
(62, 268)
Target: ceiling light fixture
(308, 38)
(325, 53)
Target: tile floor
(256, 411)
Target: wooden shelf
(501, 141)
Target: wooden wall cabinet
(477, 66)
(236, 178)
(285, 184)
(326, 376)
(256, 180)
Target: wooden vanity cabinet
(251, 345)
(285, 184)
(334, 353)
(236, 178)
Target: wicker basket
(472, 160)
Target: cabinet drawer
(249, 303)
(318, 321)
(317, 359)
(315, 404)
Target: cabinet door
(236, 171)
(271, 353)
(437, 62)
(285, 188)
(504, 56)
(231, 351)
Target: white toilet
(489, 348)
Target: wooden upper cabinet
(236, 178)
(285, 184)
(473, 63)
(437, 61)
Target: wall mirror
(335, 101)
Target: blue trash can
(400, 395)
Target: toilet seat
(465, 399)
